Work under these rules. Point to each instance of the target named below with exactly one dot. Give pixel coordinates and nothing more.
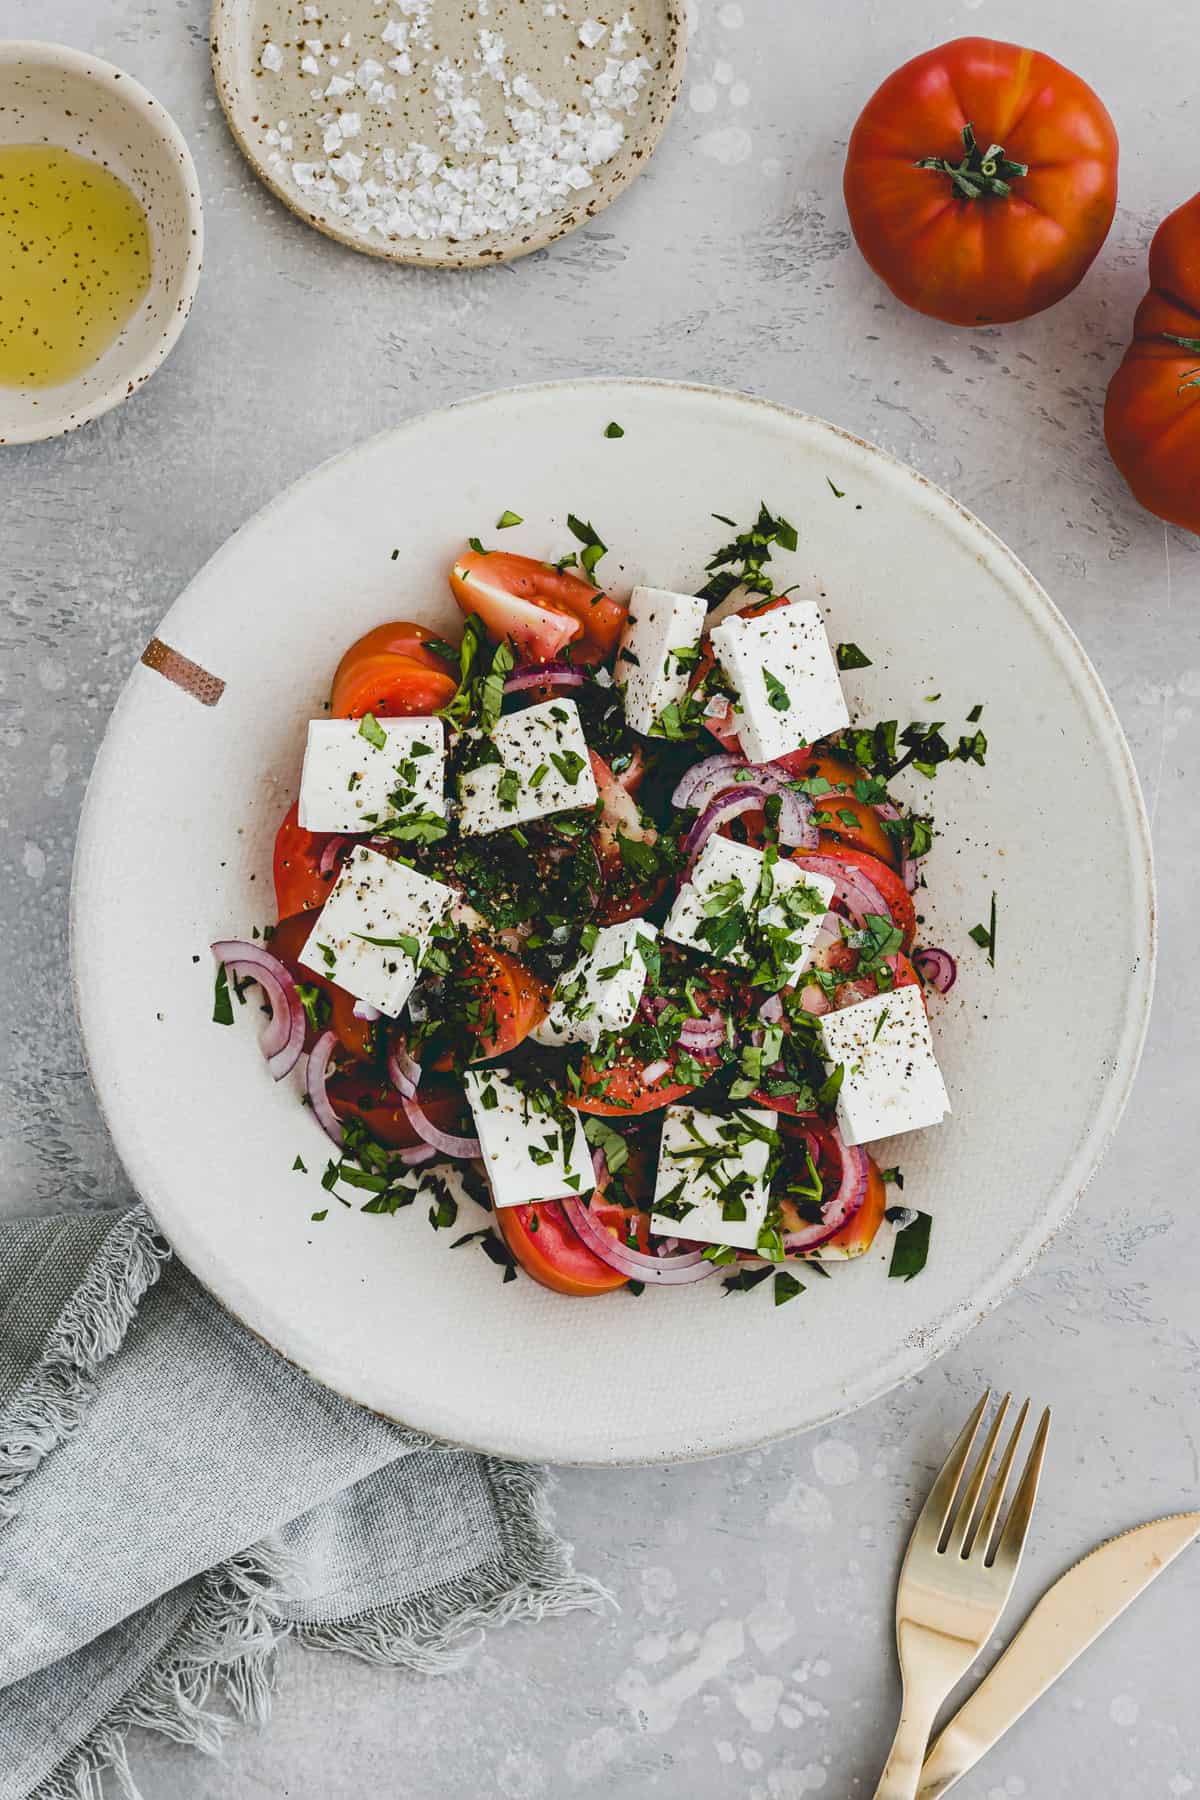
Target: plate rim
(924, 1344)
(558, 224)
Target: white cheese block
(706, 1188)
(658, 624)
(601, 990)
(375, 898)
(351, 784)
(522, 1141)
(790, 646)
(544, 768)
(721, 863)
(892, 1081)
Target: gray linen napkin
(175, 1499)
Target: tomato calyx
(981, 172)
(1192, 346)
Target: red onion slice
(938, 967)
(716, 777)
(554, 674)
(330, 854)
(842, 1206)
(662, 1271)
(404, 1071)
(283, 1039)
(726, 806)
(315, 1077)
(428, 1132)
(704, 780)
(416, 1154)
(703, 1034)
(856, 891)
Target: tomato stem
(981, 172)
(1192, 378)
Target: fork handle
(902, 1772)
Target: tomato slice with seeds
(507, 999)
(353, 1095)
(356, 1036)
(392, 672)
(891, 888)
(543, 1241)
(299, 883)
(624, 893)
(540, 609)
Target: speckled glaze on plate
(175, 850)
(254, 99)
(55, 95)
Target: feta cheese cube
(544, 768)
(723, 898)
(659, 623)
(601, 990)
(892, 1081)
(374, 929)
(718, 1200)
(354, 783)
(527, 1151)
(785, 677)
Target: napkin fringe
(533, 1578)
(53, 1401)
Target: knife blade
(1066, 1620)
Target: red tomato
(299, 883)
(623, 893)
(540, 610)
(866, 987)
(355, 1096)
(981, 180)
(858, 1233)
(510, 999)
(1152, 413)
(847, 826)
(354, 1035)
(620, 1090)
(892, 890)
(542, 1240)
(392, 674)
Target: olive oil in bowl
(74, 263)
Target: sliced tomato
(392, 673)
(541, 1238)
(858, 1233)
(844, 823)
(812, 764)
(506, 998)
(891, 888)
(299, 883)
(356, 1036)
(621, 1090)
(539, 608)
(624, 894)
(866, 987)
(380, 1109)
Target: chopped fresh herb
(410, 945)
(477, 547)
(975, 714)
(837, 492)
(318, 1216)
(828, 1092)
(776, 692)
(300, 1165)
(613, 430)
(222, 1004)
(569, 764)
(849, 656)
(508, 789)
(508, 518)
(373, 731)
(745, 1279)
(741, 563)
(594, 547)
(985, 935)
(786, 1286)
(395, 554)
(911, 1249)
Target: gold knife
(1069, 1616)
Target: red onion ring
(315, 1077)
(663, 1271)
(330, 854)
(908, 867)
(416, 1154)
(771, 1010)
(283, 1039)
(553, 674)
(718, 812)
(428, 1132)
(712, 776)
(703, 1034)
(938, 967)
(845, 1203)
(654, 1072)
(404, 1072)
(856, 891)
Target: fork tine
(1017, 1524)
(985, 1531)
(964, 1512)
(936, 1509)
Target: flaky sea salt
(271, 58)
(502, 155)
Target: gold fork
(957, 1574)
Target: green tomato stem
(1192, 346)
(981, 172)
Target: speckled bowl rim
(107, 75)
(496, 247)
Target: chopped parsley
(777, 694)
(405, 941)
(849, 656)
(299, 1166)
(741, 563)
(508, 519)
(613, 430)
(911, 1249)
(786, 1286)
(373, 731)
(222, 1004)
(985, 935)
(594, 546)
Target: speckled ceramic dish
(193, 778)
(449, 132)
(50, 94)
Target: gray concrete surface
(751, 1654)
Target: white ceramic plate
(175, 850)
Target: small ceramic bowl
(50, 94)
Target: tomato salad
(603, 916)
